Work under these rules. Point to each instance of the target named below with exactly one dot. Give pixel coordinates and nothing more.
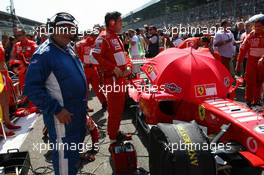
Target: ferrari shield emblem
(205, 90)
(201, 112)
(152, 73)
(150, 69)
(200, 90)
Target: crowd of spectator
(226, 40)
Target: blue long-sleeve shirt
(55, 79)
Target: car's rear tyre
(193, 160)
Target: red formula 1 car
(195, 128)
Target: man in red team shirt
(83, 49)
(254, 46)
(23, 50)
(115, 66)
(193, 42)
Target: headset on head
(52, 23)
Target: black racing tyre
(179, 150)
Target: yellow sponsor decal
(201, 112)
(187, 141)
(2, 83)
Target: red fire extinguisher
(124, 158)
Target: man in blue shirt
(56, 84)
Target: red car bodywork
(247, 126)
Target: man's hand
(64, 116)
(118, 72)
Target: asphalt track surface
(101, 166)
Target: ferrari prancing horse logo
(201, 90)
(152, 73)
(201, 112)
